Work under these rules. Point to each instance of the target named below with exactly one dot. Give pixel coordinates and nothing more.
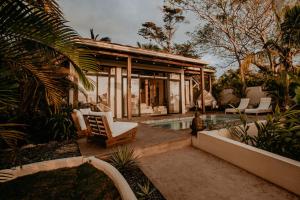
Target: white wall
(277, 169)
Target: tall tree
(286, 45)
(163, 35)
(229, 28)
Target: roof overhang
(129, 50)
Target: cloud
(118, 19)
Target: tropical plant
(123, 158)
(35, 43)
(280, 133)
(241, 131)
(145, 190)
(287, 47)
(60, 126)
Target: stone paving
(192, 174)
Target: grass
(83, 182)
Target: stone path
(192, 174)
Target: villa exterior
(135, 82)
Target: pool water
(184, 123)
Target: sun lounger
(241, 108)
(101, 124)
(263, 107)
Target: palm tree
(95, 37)
(287, 45)
(35, 45)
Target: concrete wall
(254, 93)
(277, 169)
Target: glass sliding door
(135, 96)
(174, 97)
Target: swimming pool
(184, 123)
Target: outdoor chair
(209, 100)
(241, 108)
(101, 124)
(263, 107)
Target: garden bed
(136, 176)
(83, 182)
(37, 153)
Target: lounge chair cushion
(255, 110)
(80, 120)
(85, 111)
(118, 128)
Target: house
(135, 81)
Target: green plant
(145, 190)
(123, 158)
(280, 133)
(60, 126)
(241, 131)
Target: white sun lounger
(241, 108)
(263, 107)
(102, 124)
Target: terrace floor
(192, 174)
(149, 140)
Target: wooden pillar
(146, 92)
(210, 84)
(129, 111)
(202, 90)
(108, 89)
(118, 88)
(191, 93)
(182, 92)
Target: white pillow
(85, 111)
(80, 120)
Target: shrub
(60, 126)
(123, 158)
(280, 134)
(145, 190)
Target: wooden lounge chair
(241, 108)
(101, 124)
(263, 107)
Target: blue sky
(121, 19)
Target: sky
(121, 19)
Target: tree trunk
(242, 74)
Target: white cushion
(85, 111)
(118, 128)
(80, 119)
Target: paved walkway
(192, 174)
